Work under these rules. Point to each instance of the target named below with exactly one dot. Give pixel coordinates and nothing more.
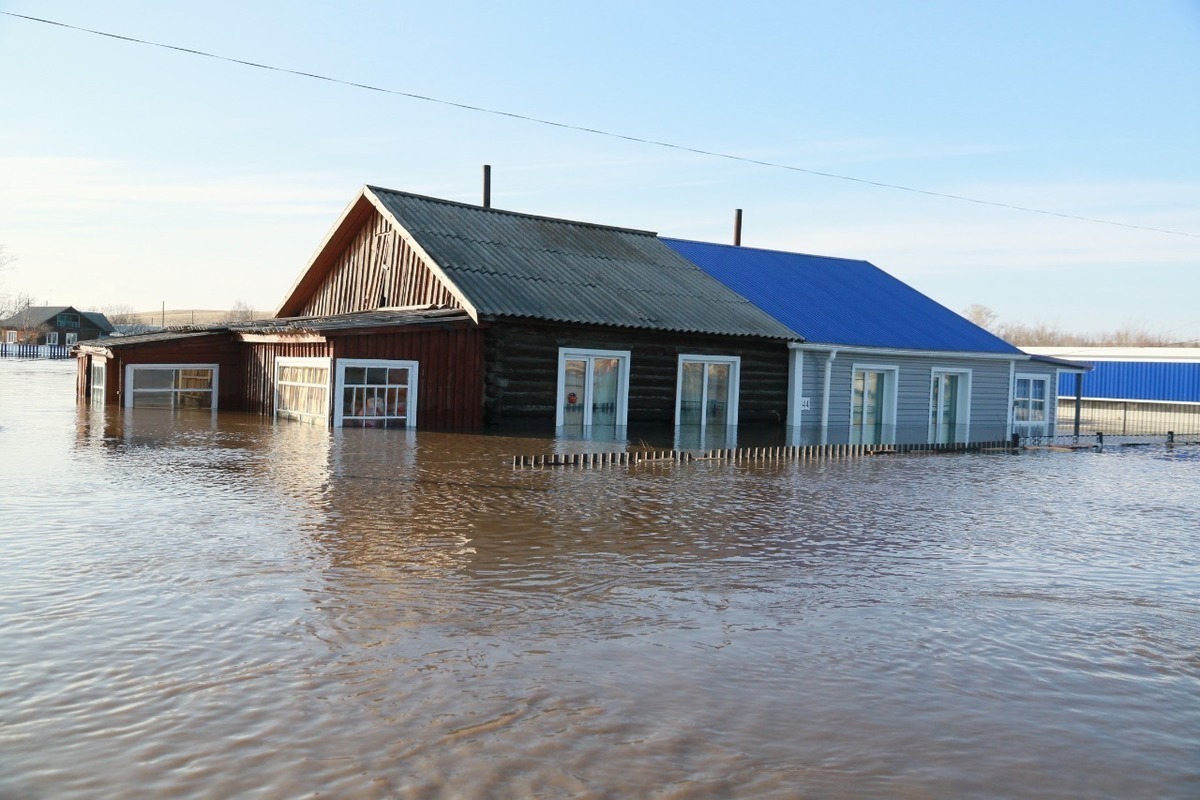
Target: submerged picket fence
(744, 454)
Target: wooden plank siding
(376, 269)
(450, 370)
(521, 382)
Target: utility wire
(609, 134)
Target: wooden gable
(366, 262)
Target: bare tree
(981, 315)
(240, 312)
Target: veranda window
(593, 389)
(99, 373)
(949, 406)
(708, 391)
(171, 386)
(1030, 411)
(374, 393)
(302, 389)
(873, 404)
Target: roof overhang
(892, 351)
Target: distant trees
(119, 313)
(1044, 335)
(10, 303)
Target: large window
(373, 393)
(302, 389)
(171, 386)
(52, 338)
(949, 406)
(67, 320)
(873, 404)
(1031, 413)
(72, 338)
(708, 391)
(10, 337)
(593, 389)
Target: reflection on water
(200, 607)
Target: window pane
(153, 378)
(573, 384)
(153, 399)
(691, 393)
(377, 375)
(195, 379)
(718, 394)
(604, 391)
(356, 376)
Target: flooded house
(422, 312)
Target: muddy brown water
(196, 607)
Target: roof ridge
(728, 246)
(522, 214)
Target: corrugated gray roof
(379, 318)
(163, 335)
(517, 265)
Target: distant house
(422, 312)
(880, 361)
(53, 326)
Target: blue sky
(139, 175)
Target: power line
(608, 134)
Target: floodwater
(194, 607)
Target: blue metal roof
(1138, 380)
(840, 301)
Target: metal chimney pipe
(737, 228)
(487, 185)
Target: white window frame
(339, 381)
(1050, 399)
(582, 354)
(891, 384)
(52, 339)
(10, 337)
(296, 361)
(735, 370)
(131, 368)
(963, 412)
(72, 338)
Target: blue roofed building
(881, 362)
(1134, 391)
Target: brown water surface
(196, 607)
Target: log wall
(521, 382)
